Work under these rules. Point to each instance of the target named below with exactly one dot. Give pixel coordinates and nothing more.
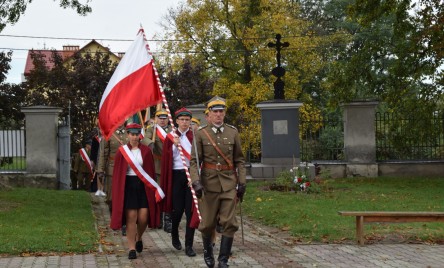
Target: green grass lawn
(46, 221)
(314, 218)
(38, 221)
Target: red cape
(166, 178)
(118, 188)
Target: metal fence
(12, 150)
(397, 138)
(409, 138)
(321, 138)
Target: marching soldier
(222, 182)
(195, 123)
(159, 131)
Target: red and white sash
(184, 143)
(143, 176)
(86, 159)
(161, 133)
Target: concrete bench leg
(360, 229)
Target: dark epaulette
(201, 127)
(231, 126)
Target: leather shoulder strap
(217, 148)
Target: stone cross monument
(280, 126)
(278, 71)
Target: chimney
(71, 48)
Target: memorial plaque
(280, 127)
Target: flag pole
(170, 119)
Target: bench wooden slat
(399, 219)
(391, 213)
(390, 216)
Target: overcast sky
(110, 19)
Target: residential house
(67, 55)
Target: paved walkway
(262, 247)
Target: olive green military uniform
(218, 179)
(156, 146)
(73, 173)
(107, 152)
(82, 173)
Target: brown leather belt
(158, 157)
(216, 166)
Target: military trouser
(84, 181)
(222, 206)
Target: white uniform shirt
(138, 156)
(177, 160)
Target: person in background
(107, 151)
(195, 123)
(222, 182)
(73, 171)
(97, 184)
(154, 138)
(174, 180)
(83, 167)
(132, 198)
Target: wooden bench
(389, 216)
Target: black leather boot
(189, 239)
(167, 223)
(208, 251)
(225, 251)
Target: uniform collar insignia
(214, 128)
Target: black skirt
(135, 195)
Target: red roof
(67, 52)
(48, 55)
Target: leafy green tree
(187, 85)
(76, 87)
(11, 10)
(11, 96)
(5, 59)
(395, 56)
(230, 39)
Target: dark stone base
(44, 181)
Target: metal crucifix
(278, 71)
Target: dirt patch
(7, 205)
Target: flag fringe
(170, 119)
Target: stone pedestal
(41, 140)
(198, 112)
(360, 139)
(280, 138)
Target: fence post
(360, 139)
(41, 146)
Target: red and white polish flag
(133, 87)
